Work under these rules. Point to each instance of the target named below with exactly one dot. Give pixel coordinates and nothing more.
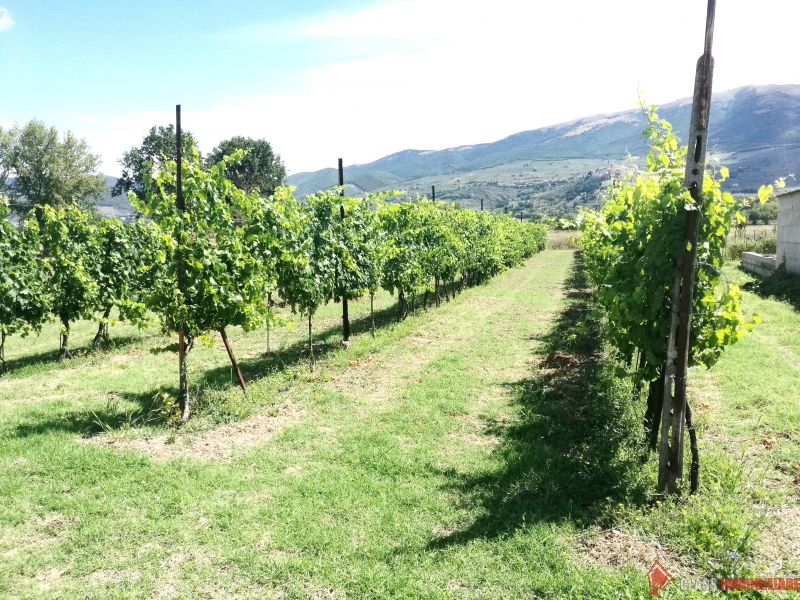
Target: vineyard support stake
(183, 386)
(695, 172)
(372, 312)
(102, 328)
(310, 344)
(433, 193)
(345, 314)
(64, 351)
(269, 316)
(235, 364)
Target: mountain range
(754, 130)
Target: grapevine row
(238, 252)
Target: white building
(788, 252)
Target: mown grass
(457, 454)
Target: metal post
(682, 319)
(345, 315)
(183, 386)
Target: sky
(360, 79)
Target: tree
(6, 145)
(632, 246)
(259, 169)
(70, 257)
(137, 163)
(766, 212)
(127, 253)
(309, 280)
(48, 169)
(24, 302)
(225, 279)
(404, 269)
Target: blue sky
(363, 79)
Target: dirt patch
(223, 443)
(476, 440)
(778, 550)
(376, 380)
(614, 548)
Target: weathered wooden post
(433, 193)
(183, 386)
(345, 315)
(675, 409)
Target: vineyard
(229, 257)
(409, 358)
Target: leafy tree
(444, 244)
(309, 280)
(70, 258)
(260, 169)
(136, 163)
(766, 212)
(633, 244)
(6, 146)
(225, 279)
(405, 268)
(48, 169)
(24, 302)
(127, 253)
(376, 247)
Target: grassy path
(468, 452)
(398, 443)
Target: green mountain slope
(754, 129)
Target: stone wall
(758, 263)
(789, 231)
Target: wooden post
(481, 204)
(433, 193)
(671, 459)
(310, 344)
(183, 385)
(235, 364)
(345, 314)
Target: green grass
(462, 453)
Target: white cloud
(6, 22)
(438, 73)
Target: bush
(764, 245)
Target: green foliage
(404, 269)
(259, 169)
(633, 244)
(766, 213)
(765, 245)
(220, 242)
(70, 258)
(24, 302)
(159, 144)
(307, 269)
(48, 168)
(127, 267)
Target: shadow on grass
(325, 341)
(576, 444)
(92, 422)
(113, 417)
(48, 360)
(780, 286)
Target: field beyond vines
(488, 448)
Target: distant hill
(755, 130)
